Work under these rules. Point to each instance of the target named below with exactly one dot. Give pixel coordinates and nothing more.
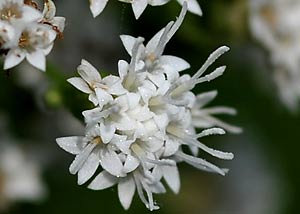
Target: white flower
(16, 12)
(138, 135)
(96, 148)
(100, 90)
(27, 33)
(138, 6)
(35, 42)
(275, 25)
(19, 176)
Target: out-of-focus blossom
(138, 6)
(19, 176)
(25, 32)
(275, 23)
(143, 120)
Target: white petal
(111, 162)
(107, 132)
(158, 188)
(59, 22)
(114, 84)
(80, 84)
(177, 63)
(92, 115)
(81, 158)
(193, 6)
(88, 72)
(51, 35)
(132, 100)
(49, 10)
(126, 123)
(131, 163)
(128, 42)
(161, 120)
(13, 58)
(153, 42)
(157, 2)
(97, 6)
(153, 144)
(205, 98)
(30, 14)
(102, 181)
(48, 49)
(171, 147)
(93, 99)
(121, 143)
(126, 190)
(103, 97)
(89, 167)
(37, 59)
(122, 68)
(157, 79)
(73, 145)
(138, 7)
(171, 175)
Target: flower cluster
(138, 6)
(26, 32)
(275, 24)
(143, 119)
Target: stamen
(200, 163)
(131, 75)
(177, 23)
(135, 50)
(139, 188)
(212, 131)
(209, 77)
(162, 162)
(216, 122)
(211, 59)
(213, 152)
(219, 110)
(151, 205)
(163, 41)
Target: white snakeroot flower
(16, 12)
(28, 33)
(143, 120)
(100, 90)
(35, 43)
(19, 177)
(138, 6)
(275, 24)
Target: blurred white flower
(138, 6)
(143, 119)
(19, 176)
(275, 24)
(27, 33)
(35, 42)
